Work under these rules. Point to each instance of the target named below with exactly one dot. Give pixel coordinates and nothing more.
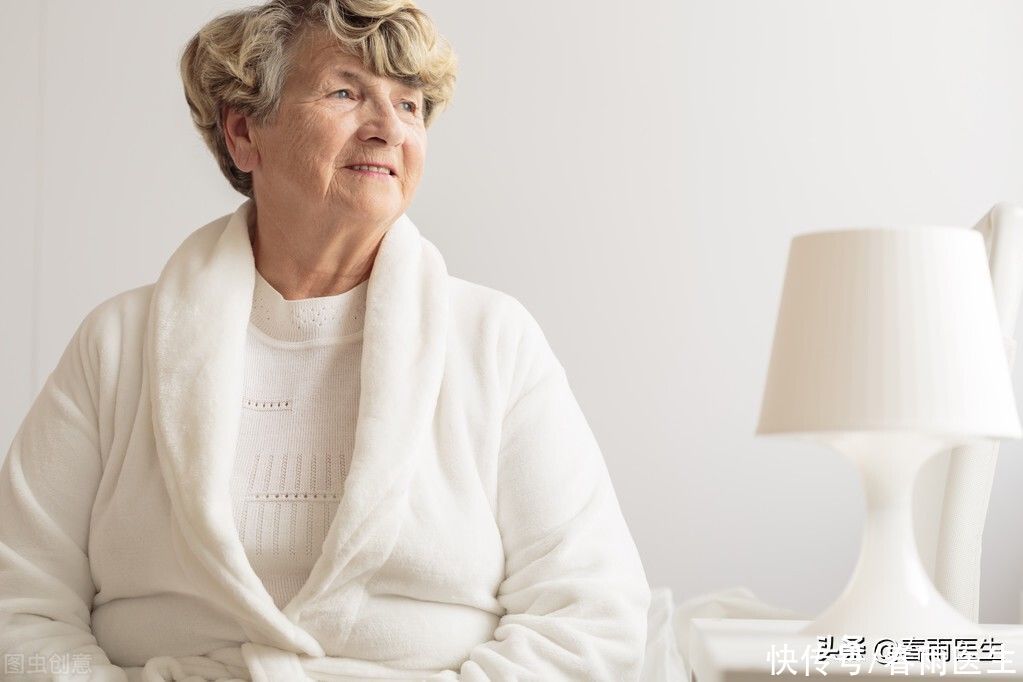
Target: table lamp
(888, 349)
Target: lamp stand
(890, 594)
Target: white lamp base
(890, 594)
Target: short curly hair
(241, 59)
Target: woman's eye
(346, 93)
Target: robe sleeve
(48, 482)
(575, 591)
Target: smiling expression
(334, 114)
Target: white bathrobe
(478, 536)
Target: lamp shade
(889, 329)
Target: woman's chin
(374, 208)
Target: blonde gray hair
(241, 59)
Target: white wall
(632, 175)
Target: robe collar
(195, 359)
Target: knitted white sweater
(296, 436)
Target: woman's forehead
(320, 56)
(322, 60)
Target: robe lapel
(195, 354)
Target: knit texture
(297, 431)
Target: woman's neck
(310, 258)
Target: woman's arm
(48, 482)
(575, 590)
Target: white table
(745, 650)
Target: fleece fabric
(478, 536)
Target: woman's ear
(240, 141)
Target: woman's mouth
(376, 171)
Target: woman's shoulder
(118, 322)
(104, 354)
(482, 306)
(503, 325)
(125, 309)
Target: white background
(631, 173)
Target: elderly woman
(307, 451)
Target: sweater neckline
(307, 319)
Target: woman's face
(335, 114)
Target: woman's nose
(382, 122)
